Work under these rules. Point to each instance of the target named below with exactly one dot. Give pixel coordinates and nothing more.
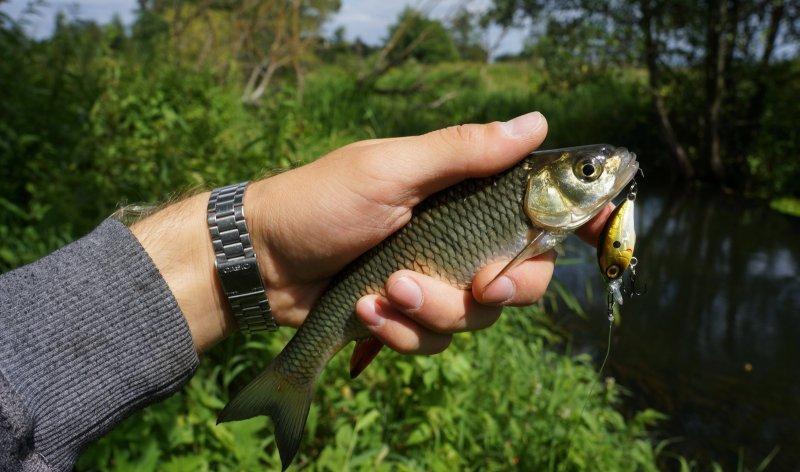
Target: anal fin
(366, 349)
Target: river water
(715, 341)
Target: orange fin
(366, 350)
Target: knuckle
(440, 316)
(449, 324)
(469, 134)
(439, 323)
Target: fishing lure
(615, 249)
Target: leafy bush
(495, 400)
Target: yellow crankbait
(615, 249)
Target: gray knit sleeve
(88, 334)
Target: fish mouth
(629, 166)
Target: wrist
(177, 240)
(275, 225)
(263, 226)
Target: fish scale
(450, 236)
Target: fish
(517, 214)
(616, 244)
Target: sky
(367, 19)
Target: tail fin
(274, 395)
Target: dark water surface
(715, 341)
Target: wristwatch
(235, 260)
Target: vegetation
(198, 95)
(711, 68)
(493, 401)
(788, 205)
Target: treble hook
(630, 290)
(632, 190)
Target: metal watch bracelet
(235, 260)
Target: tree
(425, 39)
(259, 36)
(727, 43)
(466, 34)
(649, 12)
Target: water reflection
(715, 342)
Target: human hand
(308, 223)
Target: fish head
(567, 187)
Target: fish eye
(613, 271)
(588, 169)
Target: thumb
(430, 162)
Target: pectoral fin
(366, 349)
(540, 243)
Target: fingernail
(406, 293)
(524, 125)
(370, 313)
(499, 291)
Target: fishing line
(608, 341)
(610, 308)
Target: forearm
(177, 240)
(89, 334)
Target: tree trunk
(674, 146)
(757, 104)
(716, 54)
